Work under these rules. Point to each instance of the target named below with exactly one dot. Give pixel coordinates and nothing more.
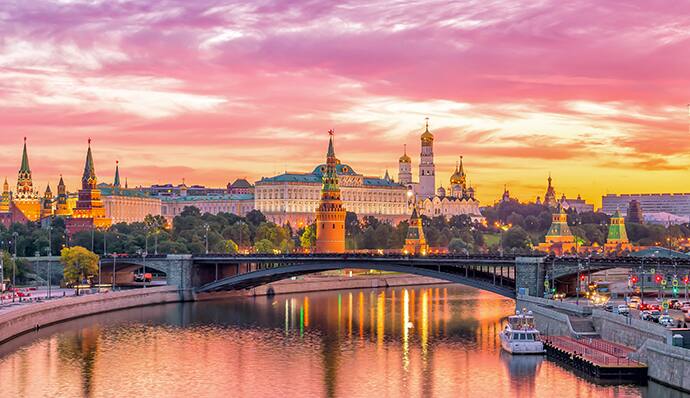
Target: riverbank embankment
(37, 315)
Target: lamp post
(114, 261)
(155, 243)
(146, 252)
(50, 254)
(206, 227)
(15, 235)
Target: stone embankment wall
(549, 321)
(668, 365)
(628, 331)
(25, 319)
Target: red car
(643, 307)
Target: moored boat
(520, 336)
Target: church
(457, 199)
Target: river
(432, 341)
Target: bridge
(502, 275)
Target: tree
(308, 238)
(516, 238)
(155, 224)
(264, 246)
(255, 217)
(79, 263)
(459, 246)
(230, 247)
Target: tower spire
(116, 182)
(25, 161)
(88, 179)
(331, 151)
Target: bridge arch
(501, 285)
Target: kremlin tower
(617, 239)
(6, 198)
(427, 174)
(61, 206)
(89, 212)
(25, 197)
(415, 243)
(559, 239)
(47, 207)
(330, 215)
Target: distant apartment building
(676, 204)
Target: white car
(623, 309)
(666, 320)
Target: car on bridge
(622, 309)
(666, 320)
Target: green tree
(79, 263)
(264, 246)
(231, 247)
(516, 238)
(459, 246)
(308, 238)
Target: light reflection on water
(436, 341)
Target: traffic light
(675, 291)
(634, 279)
(658, 278)
(686, 280)
(583, 277)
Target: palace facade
(294, 197)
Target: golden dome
(404, 158)
(458, 178)
(427, 137)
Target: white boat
(520, 336)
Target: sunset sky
(593, 91)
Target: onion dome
(441, 192)
(458, 177)
(404, 158)
(427, 137)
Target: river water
(435, 341)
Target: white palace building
(293, 197)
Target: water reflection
(431, 341)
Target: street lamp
(146, 252)
(15, 235)
(50, 254)
(114, 261)
(206, 227)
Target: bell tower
(427, 169)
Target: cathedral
(457, 199)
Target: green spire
(116, 183)
(89, 177)
(25, 161)
(331, 151)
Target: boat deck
(598, 358)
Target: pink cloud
(263, 81)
